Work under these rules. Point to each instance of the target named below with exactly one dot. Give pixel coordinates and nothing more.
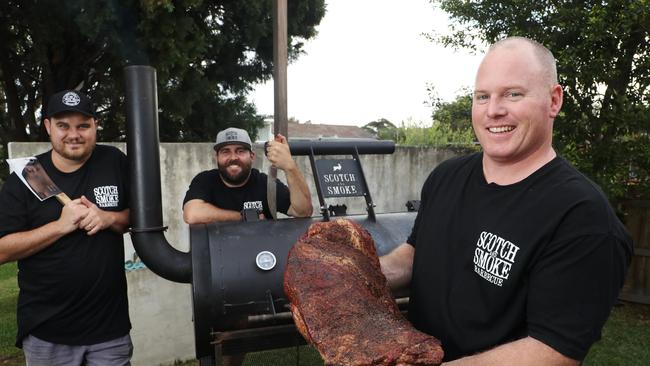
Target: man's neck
(506, 173)
(67, 165)
(230, 185)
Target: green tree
(208, 54)
(603, 54)
(382, 128)
(457, 114)
(417, 133)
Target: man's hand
(23, 244)
(72, 214)
(278, 153)
(96, 219)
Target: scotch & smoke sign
(340, 178)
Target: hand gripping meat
(341, 302)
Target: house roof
(313, 130)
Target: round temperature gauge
(265, 260)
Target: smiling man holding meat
(515, 257)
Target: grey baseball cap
(231, 136)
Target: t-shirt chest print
(106, 196)
(494, 256)
(253, 204)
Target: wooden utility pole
(280, 123)
(280, 48)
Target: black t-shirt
(544, 257)
(74, 291)
(209, 187)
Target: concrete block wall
(161, 311)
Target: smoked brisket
(341, 302)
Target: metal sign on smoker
(341, 178)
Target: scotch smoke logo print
(254, 204)
(106, 196)
(231, 135)
(494, 256)
(71, 99)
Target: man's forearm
(200, 212)
(523, 352)
(397, 266)
(298, 193)
(23, 244)
(120, 220)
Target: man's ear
(47, 125)
(252, 154)
(556, 100)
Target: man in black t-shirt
(72, 304)
(515, 258)
(221, 194)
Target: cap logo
(71, 99)
(231, 135)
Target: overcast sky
(370, 61)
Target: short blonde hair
(543, 54)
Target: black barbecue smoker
(236, 269)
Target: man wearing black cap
(72, 305)
(222, 194)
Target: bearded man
(222, 194)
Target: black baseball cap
(70, 101)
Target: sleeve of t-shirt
(283, 197)
(13, 206)
(573, 287)
(126, 181)
(199, 189)
(423, 205)
(118, 165)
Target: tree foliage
(457, 114)
(207, 53)
(451, 125)
(603, 54)
(437, 134)
(382, 128)
(417, 133)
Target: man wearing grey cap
(222, 194)
(72, 304)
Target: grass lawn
(625, 338)
(624, 343)
(9, 354)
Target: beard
(235, 179)
(80, 154)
